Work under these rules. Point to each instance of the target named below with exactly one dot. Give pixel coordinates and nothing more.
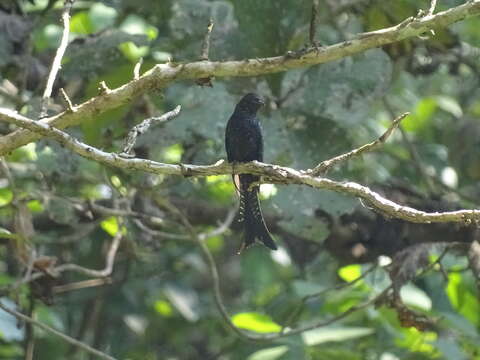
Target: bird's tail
(251, 213)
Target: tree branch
(273, 173)
(55, 332)
(431, 9)
(162, 75)
(106, 271)
(324, 166)
(206, 41)
(144, 126)
(57, 60)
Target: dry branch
(144, 126)
(274, 174)
(162, 75)
(324, 166)
(57, 60)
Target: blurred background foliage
(159, 303)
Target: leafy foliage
(158, 301)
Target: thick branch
(162, 75)
(274, 174)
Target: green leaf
(256, 322)
(35, 206)
(48, 37)
(6, 196)
(350, 273)
(450, 105)
(102, 16)
(173, 153)
(462, 296)
(214, 243)
(304, 288)
(163, 308)
(5, 234)
(269, 354)
(110, 225)
(133, 52)
(421, 115)
(80, 23)
(417, 341)
(322, 335)
(259, 272)
(220, 188)
(136, 25)
(412, 295)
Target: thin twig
(106, 211)
(144, 126)
(57, 60)
(313, 23)
(299, 309)
(30, 331)
(223, 227)
(82, 285)
(431, 9)
(55, 332)
(206, 41)
(324, 166)
(417, 161)
(107, 271)
(67, 100)
(109, 261)
(136, 69)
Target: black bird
(244, 143)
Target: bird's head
(251, 103)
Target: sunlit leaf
(110, 225)
(35, 206)
(215, 243)
(80, 23)
(462, 297)
(418, 341)
(173, 154)
(420, 117)
(350, 273)
(256, 322)
(163, 308)
(133, 52)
